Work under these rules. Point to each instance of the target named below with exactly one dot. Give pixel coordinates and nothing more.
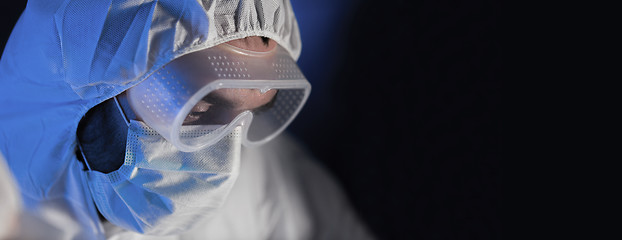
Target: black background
(404, 111)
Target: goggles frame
(166, 97)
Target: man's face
(221, 106)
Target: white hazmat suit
(66, 56)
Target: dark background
(404, 111)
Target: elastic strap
(116, 101)
(84, 157)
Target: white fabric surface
(9, 201)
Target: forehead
(254, 43)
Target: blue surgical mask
(160, 190)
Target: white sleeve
(9, 202)
(332, 216)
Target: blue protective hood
(66, 56)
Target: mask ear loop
(116, 101)
(84, 157)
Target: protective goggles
(209, 92)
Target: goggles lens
(218, 89)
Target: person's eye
(196, 115)
(213, 115)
